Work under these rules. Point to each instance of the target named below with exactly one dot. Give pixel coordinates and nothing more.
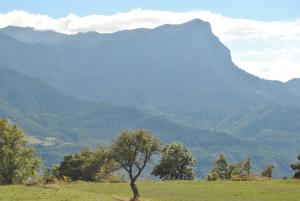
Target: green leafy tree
(247, 166)
(240, 170)
(220, 169)
(16, 157)
(87, 165)
(176, 162)
(296, 168)
(133, 150)
(268, 171)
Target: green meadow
(273, 190)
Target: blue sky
(265, 10)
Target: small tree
(133, 150)
(296, 168)
(220, 169)
(16, 158)
(236, 170)
(268, 171)
(247, 167)
(213, 176)
(177, 162)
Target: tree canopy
(17, 162)
(176, 162)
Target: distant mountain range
(58, 124)
(177, 81)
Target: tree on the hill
(176, 162)
(16, 158)
(296, 168)
(88, 165)
(220, 169)
(133, 150)
(268, 171)
(247, 167)
(235, 170)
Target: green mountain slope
(59, 124)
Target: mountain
(58, 124)
(170, 69)
(177, 81)
(29, 35)
(294, 86)
(27, 97)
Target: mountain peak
(31, 35)
(13, 27)
(197, 23)
(294, 80)
(195, 26)
(17, 28)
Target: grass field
(276, 190)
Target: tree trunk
(135, 191)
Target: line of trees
(132, 151)
(223, 170)
(238, 171)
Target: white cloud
(267, 49)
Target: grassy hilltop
(273, 190)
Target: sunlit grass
(276, 190)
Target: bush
(48, 177)
(66, 179)
(268, 172)
(242, 178)
(32, 181)
(88, 165)
(213, 176)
